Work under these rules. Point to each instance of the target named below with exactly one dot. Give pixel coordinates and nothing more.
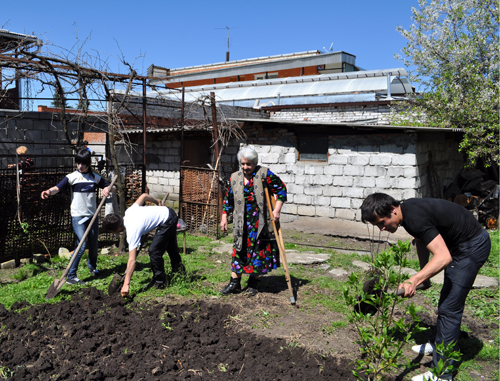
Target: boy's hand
(124, 291)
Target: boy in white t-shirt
(139, 220)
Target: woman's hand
(276, 214)
(277, 210)
(105, 192)
(223, 223)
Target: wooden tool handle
(401, 291)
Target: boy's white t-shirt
(139, 220)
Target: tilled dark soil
(97, 337)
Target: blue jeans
(91, 241)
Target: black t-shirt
(425, 218)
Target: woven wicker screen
(200, 200)
(47, 223)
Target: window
(266, 76)
(314, 148)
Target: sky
(176, 34)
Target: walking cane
(279, 240)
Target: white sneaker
(429, 377)
(424, 349)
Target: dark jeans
(165, 239)
(459, 278)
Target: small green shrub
(382, 335)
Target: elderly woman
(255, 250)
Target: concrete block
(304, 179)
(364, 182)
(395, 171)
(345, 214)
(403, 183)
(278, 169)
(302, 199)
(289, 208)
(337, 159)
(297, 169)
(24, 124)
(334, 170)
(381, 159)
(385, 182)
(306, 210)
(375, 171)
(359, 160)
(288, 158)
(314, 169)
(33, 135)
(345, 181)
(356, 203)
(287, 178)
(404, 160)
(313, 191)
(410, 172)
(340, 202)
(332, 191)
(323, 180)
(354, 170)
(294, 188)
(352, 192)
(410, 193)
(321, 201)
(325, 211)
(9, 264)
(270, 158)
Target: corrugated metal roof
(324, 88)
(360, 124)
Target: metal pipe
(181, 154)
(144, 114)
(389, 85)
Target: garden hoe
(117, 281)
(279, 240)
(58, 283)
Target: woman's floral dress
(258, 255)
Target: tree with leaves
(452, 52)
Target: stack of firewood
(133, 187)
(472, 190)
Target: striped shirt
(83, 192)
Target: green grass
(491, 267)
(207, 270)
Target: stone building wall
(42, 134)
(358, 165)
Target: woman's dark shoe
(252, 286)
(233, 287)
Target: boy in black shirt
(458, 243)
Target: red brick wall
(296, 72)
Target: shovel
(279, 240)
(58, 283)
(117, 281)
